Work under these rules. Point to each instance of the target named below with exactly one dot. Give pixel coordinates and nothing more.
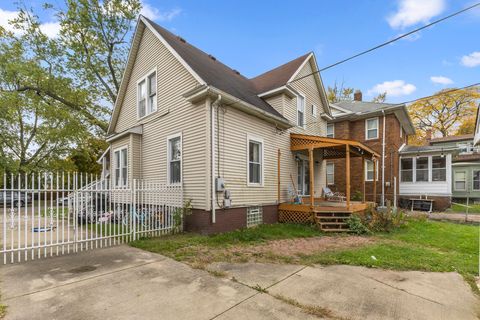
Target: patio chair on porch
(333, 196)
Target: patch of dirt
(306, 246)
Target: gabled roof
(463, 137)
(209, 72)
(279, 76)
(354, 110)
(214, 72)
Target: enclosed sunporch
(331, 208)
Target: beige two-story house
(184, 118)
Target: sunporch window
(407, 170)
(422, 169)
(439, 168)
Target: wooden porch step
(335, 230)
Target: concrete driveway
(127, 283)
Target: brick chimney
(357, 95)
(428, 136)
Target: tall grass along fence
(49, 214)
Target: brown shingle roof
(453, 138)
(467, 157)
(279, 76)
(215, 73)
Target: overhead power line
(389, 42)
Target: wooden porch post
(375, 180)
(312, 196)
(347, 157)
(363, 179)
(278, 175)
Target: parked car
(14, 199)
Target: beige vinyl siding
(174, 115)
(277, 102)
(233, 159)
(308, 87)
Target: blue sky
(255, 36)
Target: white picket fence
(51, 214)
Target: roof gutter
(203, 91)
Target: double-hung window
(301, 111)
(147, 94)
(371, 128)
(121, 167)
(369, 170)
(421, 171)
(406, 169)
(330, 130)
(330, 173)
(255, 162)
(174, 157)
(439, 168)
(476, 180)
(460, 181)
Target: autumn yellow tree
(446, 113)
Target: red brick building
(364, 122)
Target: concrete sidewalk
(127, 283)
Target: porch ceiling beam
(316, 145)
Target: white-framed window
(301, 111)
(369, 170)
(406, 169)
(174, 159)
(254, 161)
(421, 169)
(121, 167)
(254, 216)
(330, 173)
(439, 168)
(371, 128)
(147, 94)
(465, 147)
(460, 181)
(476, 180)
(331, 130)
(314, 110)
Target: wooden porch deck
(328, 215)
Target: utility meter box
(219, 184)
(227, 203)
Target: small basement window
(254, 216)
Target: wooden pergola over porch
(331, 148)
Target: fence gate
(51, 214)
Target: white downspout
(383, 162)
(212, 143)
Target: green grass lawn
(474, 208)
(418, 245)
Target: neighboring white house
(426, 172)
(182, 117)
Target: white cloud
(50, 29)
(471, 60)
(155, 14)
(393, 88)
(441, 80)
(5, 17)
(411, 12)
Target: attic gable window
(301, 111)
(147, 94)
